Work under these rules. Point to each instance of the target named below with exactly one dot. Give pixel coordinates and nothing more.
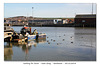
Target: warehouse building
(87, 20)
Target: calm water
(61, 44)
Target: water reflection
(8, 52)
(26, 47)
(86, 37)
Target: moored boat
(24, 35)
(8, 32)
(33, 37)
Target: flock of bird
(62, 39)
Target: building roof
(86, 16)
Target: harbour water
(61, 44)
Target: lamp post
(32, 13)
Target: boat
(8, 29)
(11, 36)
(40, 36)
(31, 36)
(8, 32)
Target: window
(83, 20)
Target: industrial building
(87, 20)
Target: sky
(48, 10)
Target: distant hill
(24, 17)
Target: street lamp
(32, 14)
(32, 11)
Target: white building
(65, 21)
(57, 20)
